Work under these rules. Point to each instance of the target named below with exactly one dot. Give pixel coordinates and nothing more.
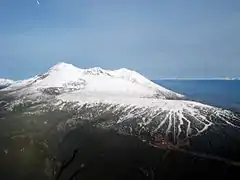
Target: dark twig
(75, 174)
(64, 166)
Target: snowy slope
(67, 77)
(6, 82)
(180, 118)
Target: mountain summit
(66, 77)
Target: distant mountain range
(226, 78)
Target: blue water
(221, 93)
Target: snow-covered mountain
(131, 103)
(6, 82)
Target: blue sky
(159, 38)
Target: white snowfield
(6, 82)
(129, 95)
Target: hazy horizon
(164, 78)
